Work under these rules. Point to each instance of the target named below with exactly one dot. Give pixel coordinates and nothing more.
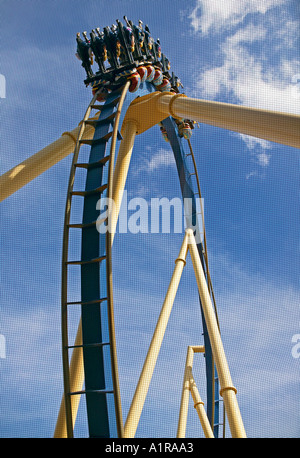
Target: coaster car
(125, 53)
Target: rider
(84, 53)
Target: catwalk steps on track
(93, 301)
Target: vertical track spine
(108, 240)
(64, 289)
(80, 345)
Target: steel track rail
(79, 346)
(64, 287)
(109, 276)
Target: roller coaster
(133, 89)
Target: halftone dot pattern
(251, 213)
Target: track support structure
(228, 391)
(137, 404)
(189, 386)
(90, 363)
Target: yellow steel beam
(148, 110)
(129, 130)
(199, 404)
(141, 391)
(41, 161)
(185, 395)
(273, 126)
(189, 385)
(227, 391)
(145, 111)
(283, 128)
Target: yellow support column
(189, 385)
(199, 406)
(39, 162)
(185, 396)
(129, 130)
(273, 126)
(151, 358)
(198, 403)
(270, 125)
(228, 391)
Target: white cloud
(288, 33)
(258, 147)
(263, 159)
(214, 15)
(253, 142)
(254, 173)
(259, 62)
(247, 79)
(162, 158)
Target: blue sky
(245, 53)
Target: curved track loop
(95, 341)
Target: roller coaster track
(95, 341)
(93, 255)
